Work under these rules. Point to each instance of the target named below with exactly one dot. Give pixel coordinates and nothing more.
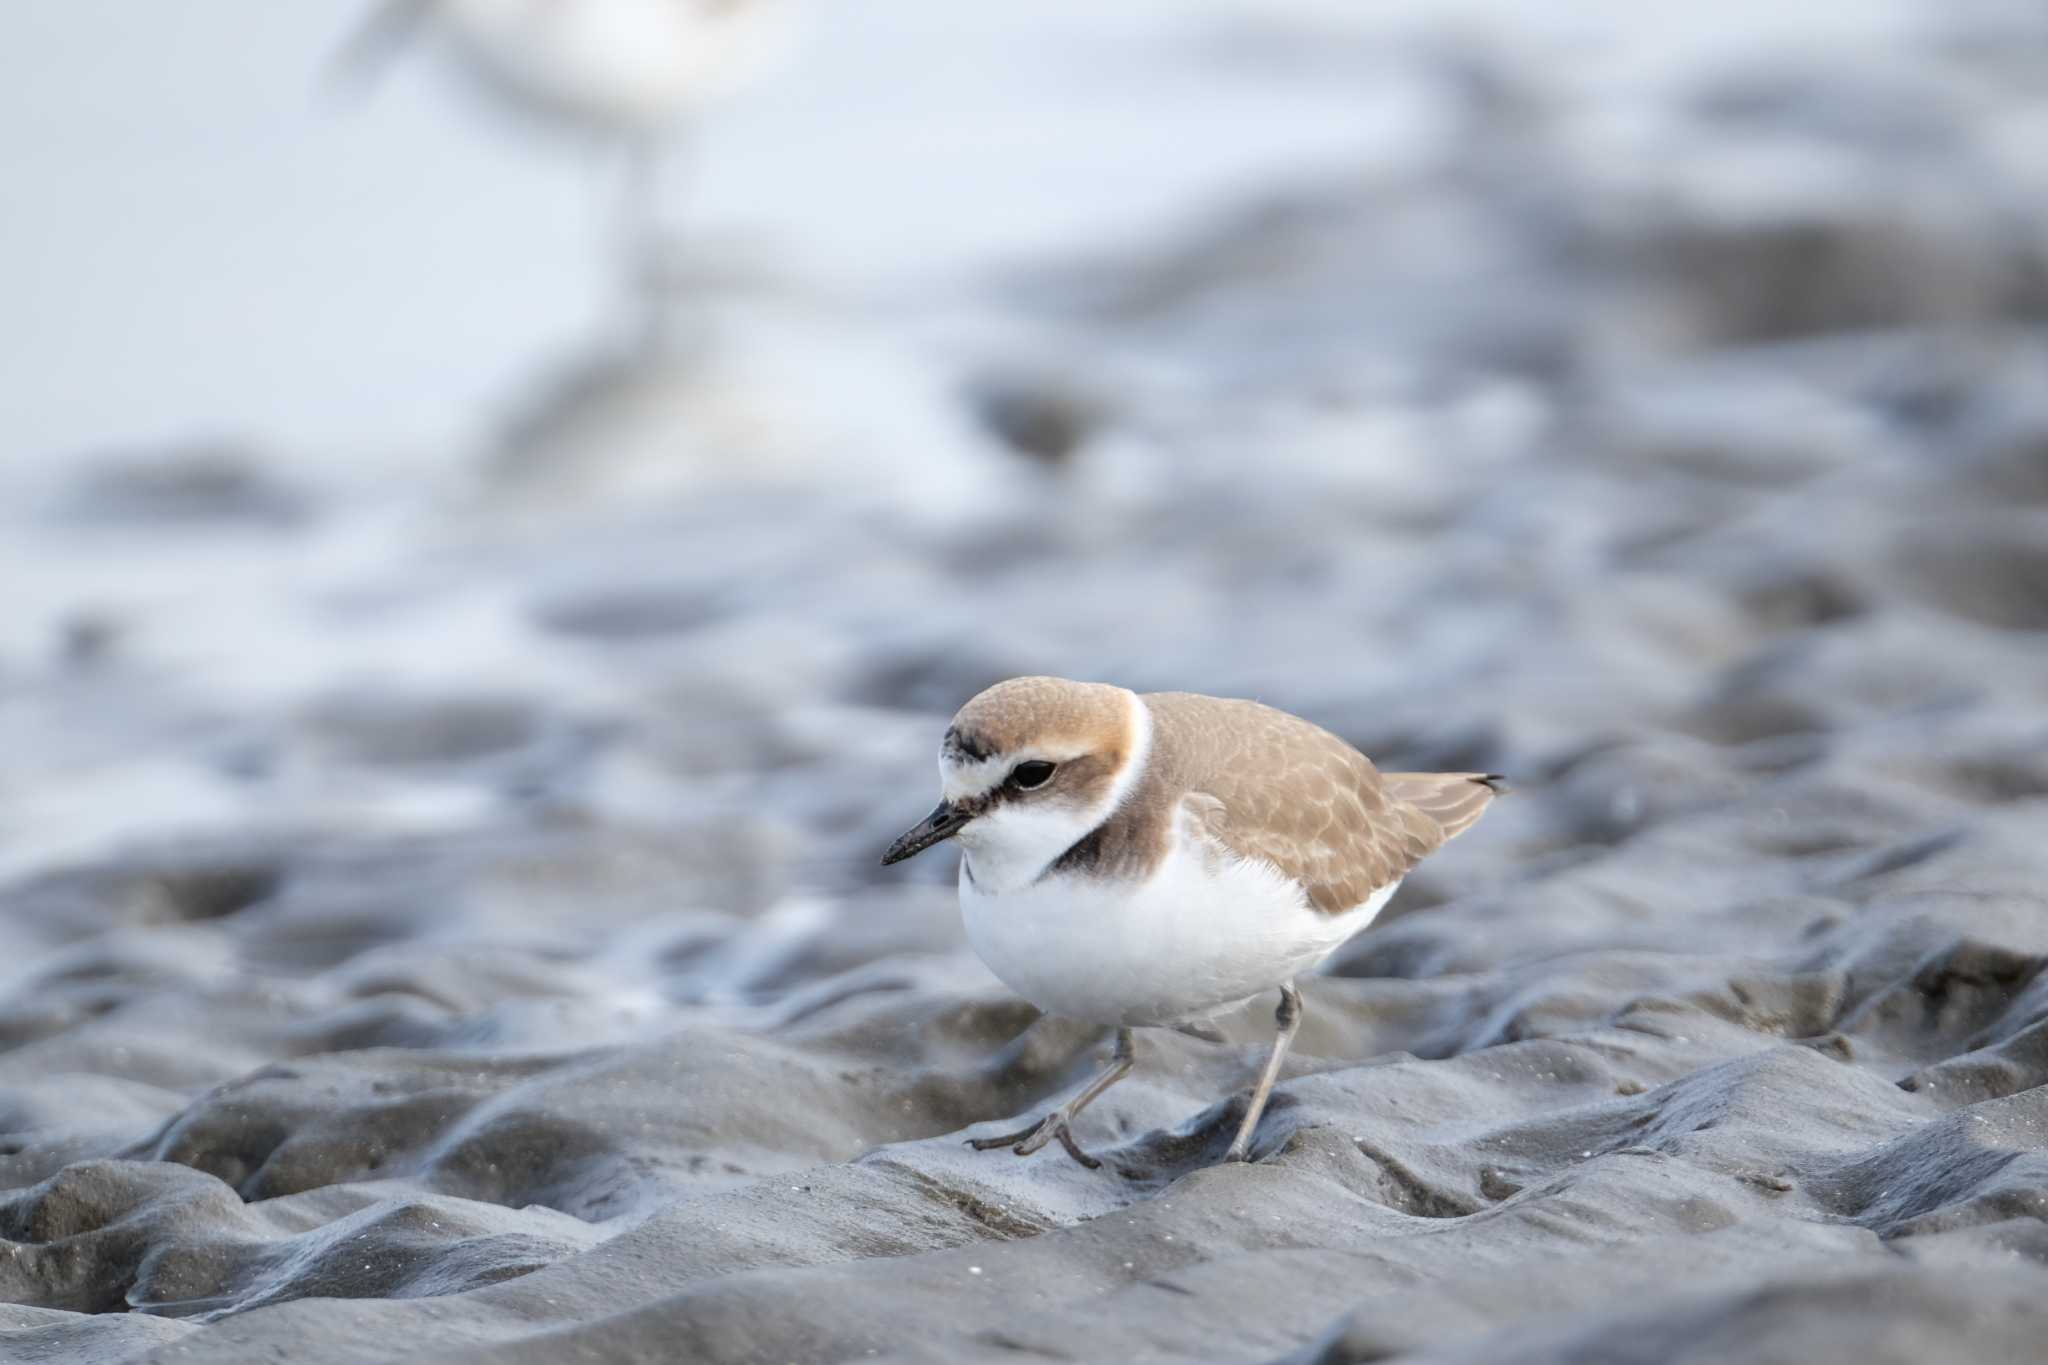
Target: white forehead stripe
(963, 781)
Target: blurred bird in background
(666, 400)
(635, 74)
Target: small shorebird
(1151, 861)
(635, 71)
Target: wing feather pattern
(1272, 786)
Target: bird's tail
(1454, 800)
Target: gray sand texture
(439, 912)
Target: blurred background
(599, 447)
(498, 499)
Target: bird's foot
(1053, 1127)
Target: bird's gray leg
(1288, 1017)
(655, 271)
(1057, 1124)
(640, 245)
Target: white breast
(1205, 932)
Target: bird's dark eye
(1031, 773)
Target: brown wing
(1302, 799)
(1454, 800)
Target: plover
(635, 71)
(1151, 861)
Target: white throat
(1011, 846)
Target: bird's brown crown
(1050, 715)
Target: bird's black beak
(943, 823)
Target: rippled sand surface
(441, 917)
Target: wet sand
(442, 921)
